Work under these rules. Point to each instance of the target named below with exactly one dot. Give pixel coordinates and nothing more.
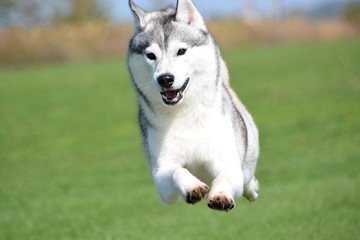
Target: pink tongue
(171, 94)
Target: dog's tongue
(171, 94)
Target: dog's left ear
(186, 12)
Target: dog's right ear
(139, 15)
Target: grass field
(72, 167)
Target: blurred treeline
(47, 31)
(32, 13)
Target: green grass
(72, 167)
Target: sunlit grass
(72, 167)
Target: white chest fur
(202, 139)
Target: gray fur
(163, 29)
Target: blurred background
(59, 31)
(71, 161)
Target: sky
(121, 12)
(118, 10)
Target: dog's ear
(186, 12)
(138, 13)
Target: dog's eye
(151, 56)
(181, 51)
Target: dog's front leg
(225, 188)
(172, 182)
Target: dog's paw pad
(197, 194)
(221, 203)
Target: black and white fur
(200, 140)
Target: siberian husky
(200, 140)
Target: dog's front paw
(221, 202)
(197, 194)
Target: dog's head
(168, 49)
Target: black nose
(166, 80)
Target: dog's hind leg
(251, 190)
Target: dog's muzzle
(172, 97)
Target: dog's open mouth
(172, 97)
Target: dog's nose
(166, 80)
